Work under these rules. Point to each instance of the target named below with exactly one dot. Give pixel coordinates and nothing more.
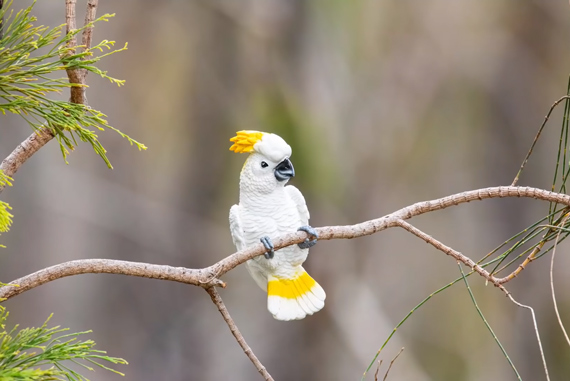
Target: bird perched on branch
(268, 208)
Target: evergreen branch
(38, 353)
(24, 85)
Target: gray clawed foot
(266, 241)
(312, 233)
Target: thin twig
(89, 17)
(217, 299)
(208, 276)
(536, 332)
(392, 363)
(70, 23)
(531, 257)
(527, 234)
(533, 254)
(88, 35)
(1, 20)
(377, 370)
(515, 181)
(449, 251)
(24, 151)
(552, 282)
(76, 75)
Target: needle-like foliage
(532, 242)
(537, 240)
(33, 64)
(44, 353)
(34, 61)
(5, 215)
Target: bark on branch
(24, 151)
(209, 276)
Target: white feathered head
(268, 165)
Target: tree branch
(217, 299)
(107, 266)
(449, 251)
(24, 151)
(89, 17)
(74, 75)
(70, 24)
(1, 20)
(77, 76)
(39, 138)
(209, 276)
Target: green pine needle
(5, 215)
(29, 55)
(46, 353)
(556, 214)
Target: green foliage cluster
(5, 215)
(44, 353)
(31, 58)
(28, 56)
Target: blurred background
(385, 103)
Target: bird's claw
(266, 241)
(312, 233)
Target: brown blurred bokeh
(385, 103)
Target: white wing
(236, 228)
(299, 201)
(257, 272)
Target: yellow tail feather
(294, 298)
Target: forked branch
(454, 253)
(210, 276)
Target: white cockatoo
(268, 208)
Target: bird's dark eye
(263, 164)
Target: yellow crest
(245, 140)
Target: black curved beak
(284, 170)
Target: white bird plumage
(269, 208)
